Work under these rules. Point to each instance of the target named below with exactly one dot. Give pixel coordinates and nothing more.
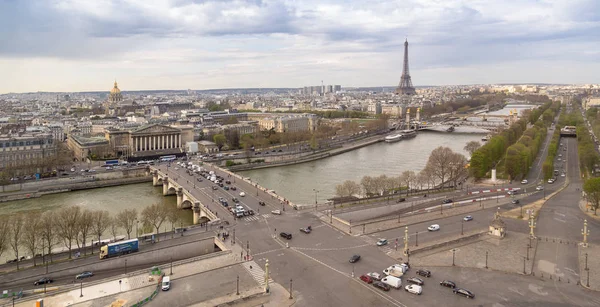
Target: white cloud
(175, 44)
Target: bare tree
(439, 162)
(4, 233)
(31, 233)
(408, 178)
(472, 146)
(126, 219)
(457, 168)
(154, 216)
(66, 225)
(48, 232)
(348, 188)
(367, 185)
(173, 217)
(84, 226)
(15, 226)
(100, 222)
(114, 227)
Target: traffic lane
(450, 226)
(320, 284)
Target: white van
(392, 281)
(166, 283)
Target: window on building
(21, 143)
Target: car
(41, 281)
(464, 292)
(276, 212)
(434, 227)
(415, 289)
(220, 184)
(416, 281)
(226, 188)
(562, 175)
(424, 273)
(354, 258)
(382, 242)
(227, 182)
(235, 200)
(382, 286)
(306, 230)
(280, 150)
(551, 180)
(366, 278)
(468, 218)
(447, 201)
(539, 188)
(199, 179)
(448, 283)
(513, 192)
(234, 188)
(401, 200)
(286, 235)
(250, 211)
(374, 275)
(242, 194)
(560, 155)
(215, 187)
(84, 275)
(515, 202)
(262, 203)
(524, 181)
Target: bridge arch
(186, 204)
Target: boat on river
(393, 138)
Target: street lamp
(453, 253)
(462, 224)
(417, 239)
(316, 195)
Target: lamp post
(291, 289)
(486, 259)
(524, 263)
(80, 289)
(237, 286)
(587, 269)
(453, 253)
(267, 276)
(462, 224)
(528, 251)
(417, 238)
(585, 232)
(316, 196)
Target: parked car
(415, 289)
(424, 273)
(354, 258)
(382, 242)
(434, 227)
(515, 201)
(276, 212)
(262, 203)
(215, 187)
(524, 181)
(401, 200)
(366, 279)
(447, 201)
(468, 218)
(41, 281)
(416, 281)
(380, 285)
(242, 194)
(286, 235)
(235, 200)
(199, 179)
(306, 230)
(448, 283)
(84, 275)
(464, 292)
(227, 182)
(374, 275)
(226, 188)
(539, 188)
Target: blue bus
(168, 158)
(111, 162)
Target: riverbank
(61, 185)
(312, 156)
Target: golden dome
(115, 90)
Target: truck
(119, 248)
(392, 281)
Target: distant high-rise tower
(405, 87)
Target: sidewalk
(593, 266)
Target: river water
(297, 182)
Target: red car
(366, 279)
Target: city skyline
(71, 46)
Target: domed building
(115, 95)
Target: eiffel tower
(405, 87)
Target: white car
(562, 175)
(434, 227)
(242, 194)
(414, 289)
(524, 181)
(277, 212)
(374, 275)
(539, 188)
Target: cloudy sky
(81, 45)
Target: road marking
(331, 249)
(562, 221)
(256, 272)
(266, 252)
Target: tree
(439, 163)
(15, 227)
(233, 138)
(348, 188)
(591, 187)
(114, 227)
(173, 217)
(100, 222)
(457, 168)
(408, 177)
(126, 219)
(367, 185)
(154, 216)
(31, 233)
(67, 225)
(4, 233)
(48, 232)
(220, 140)
(472, 146)
(314, 144)
(84, 226)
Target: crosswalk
(256, 272)
(255, 217)
(386, 248)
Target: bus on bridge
(167, 158)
